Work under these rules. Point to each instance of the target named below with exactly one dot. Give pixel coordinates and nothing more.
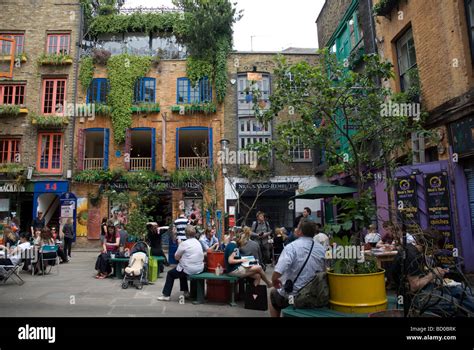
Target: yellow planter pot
(358, 294)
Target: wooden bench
(207, 276)
(291, 311)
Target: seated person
(190, 259)
(59, 241)
(209, 240)
(372, 237)
(110, 246)
(426, 285)
(234, 267)
(249, 247)
(13, 255)
(279, 240)
(10, 239)
(45, 239)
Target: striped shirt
(180, 225)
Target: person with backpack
(261, 232)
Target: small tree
(342, 113)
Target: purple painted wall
(382, 202)
(459, 203)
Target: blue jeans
(445, 301)
(170, 277)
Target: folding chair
(11, 271)
(49, 249)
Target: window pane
(64, 44)
(103, 91)
(48, 97)
(19, 43)
(149, 91)
(60, 96)
(20, 95)
(8, 94)
(44, 157)
(56, 156)
(52, 44)
(411, 53)
(6, 45)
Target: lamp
(224, 147)
(224, 144)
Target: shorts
(239, 272)
(278, 301)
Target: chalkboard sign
(407, 200)
(439, 209)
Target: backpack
(254, 226)
(315, 294)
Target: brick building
(271, 193)
(434, 39)
(35, 158)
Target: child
(373, 237)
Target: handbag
(289, 284)
(256, 298)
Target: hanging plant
(100, 56)
(86, 72)
(9, 110)
(54, 59)
(123, 71)
(48, 121)
(223, 48)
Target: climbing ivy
(198, 68)
(86, 73)
(220, 79)
(123, 71)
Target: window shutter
(128, 146)
(80, 150)
(153, 149)
(106, 148)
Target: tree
(341, 112)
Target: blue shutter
(211, 149)
(177, 148)
(106, 148)
(153, 149)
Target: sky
(267, 25)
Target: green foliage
(167, 23)
(12, 168)
(198, 68)
(384, 7)
(93, 176)
(224, 46)
(47, 121)
(123, 71)
(206, 108)
(9, 110)
(137, 221)
(146, 108)
(54, 59)
(352, 267)
(135, 180)
(86, 72)
(103, 109)
(180, 177)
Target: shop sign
(11, 187)
(407, 200)
(51, 187)
(273, 186)
(439, 209)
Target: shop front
(16, 200)
(47, 199)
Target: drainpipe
(76, 73)
(372, 26)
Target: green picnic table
(118, 264)
(206, 276)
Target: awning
(326, 191)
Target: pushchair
(136, 273)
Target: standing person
(103, 230)
(154, 238)
(299, 262)
(180, 227)
(38, 223)
(123, 234)
(68, 232)
(190, 259)
(261, 232)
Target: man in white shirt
(291, 262)
(191, 262)
(14, 255)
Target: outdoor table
(387, 256)
(118, 263)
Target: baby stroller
(136, 273)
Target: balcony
(140, 164)
(192, 163)
(93, 163)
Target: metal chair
(49, 249)
(11, 271)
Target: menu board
(407, 200)
(439, 209)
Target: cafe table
(382, 256)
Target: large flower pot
(357, 294)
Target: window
(145, 89)
(252, 126)
(406, 58)
(5, 46)
(200, 93)
(54, 96)
(12, 94)
(299, 153)
(58, 44)
(244, 141)
(9, 151)
(98, 91)
(470, 24)
(50, 152)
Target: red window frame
(12, 94)
(50, 159)
(9, 148)
(54, 93)
(19, 44)
(58, 43)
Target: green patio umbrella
(326, 191)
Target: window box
(9, 110)
(146, 108)
(55, 59)
(22, 57)
(49, 121)
(206, 108)
(12, 169)
(385, 7)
